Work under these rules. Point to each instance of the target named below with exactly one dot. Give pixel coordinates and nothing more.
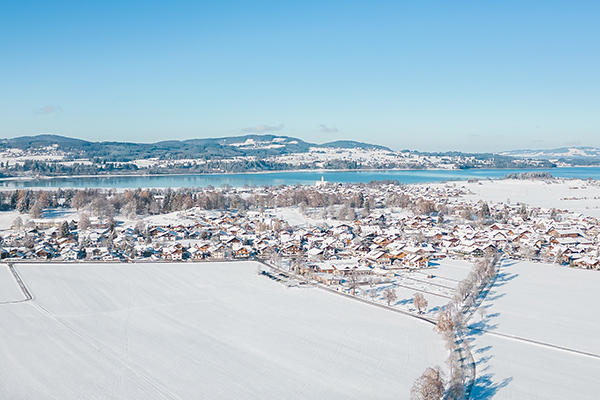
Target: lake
(284, 178)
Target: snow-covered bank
(201, 331)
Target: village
(362, 235)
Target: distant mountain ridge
(267, 143)
(53, 155)
(556, 153)
(581, 155)
(208, 148)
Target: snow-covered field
(576, 195)
(201, 331)
(555, 308)
(436, 284)
(7, 218)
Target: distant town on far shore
(52, 155)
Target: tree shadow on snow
(508, 262)
(494, 297)
(404, 302)
(503, 278)
(435, 309)
(56, 212)
(485, 388)
(480, 327)
(483, 349)
(484, 360)
(507, 276)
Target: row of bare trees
(451, 325)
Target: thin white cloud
(49, 109)
(263, 128)
(325, 128)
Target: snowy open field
(201, 331)
(437, 290)
(553, 306)
(576, 195)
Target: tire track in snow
(429, 283)
(142, 375)
(24, 289)
(422, 291)
(537, 342)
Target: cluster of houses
(380, 242)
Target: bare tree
(102, 208)
(445, 324)
(79, 200)
(480, 269)
(523, 211)
(302, 209)
(560, 258)
(420, 302)
(390, 295)
(29, 241)
(35, 211)
(43, 200)
(84, 222)
(352, 281)
(456, 382)
(346, 213)
(484, 211)
(140, 227)
(130, 209)
(373, 293)
(482, 313)
(528, 252)
(429, 386)
(17, 224)
(462, 291)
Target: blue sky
(424, 75)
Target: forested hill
(568, 155)
(52, 155)
(207, 149)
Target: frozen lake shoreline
(283, 178)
